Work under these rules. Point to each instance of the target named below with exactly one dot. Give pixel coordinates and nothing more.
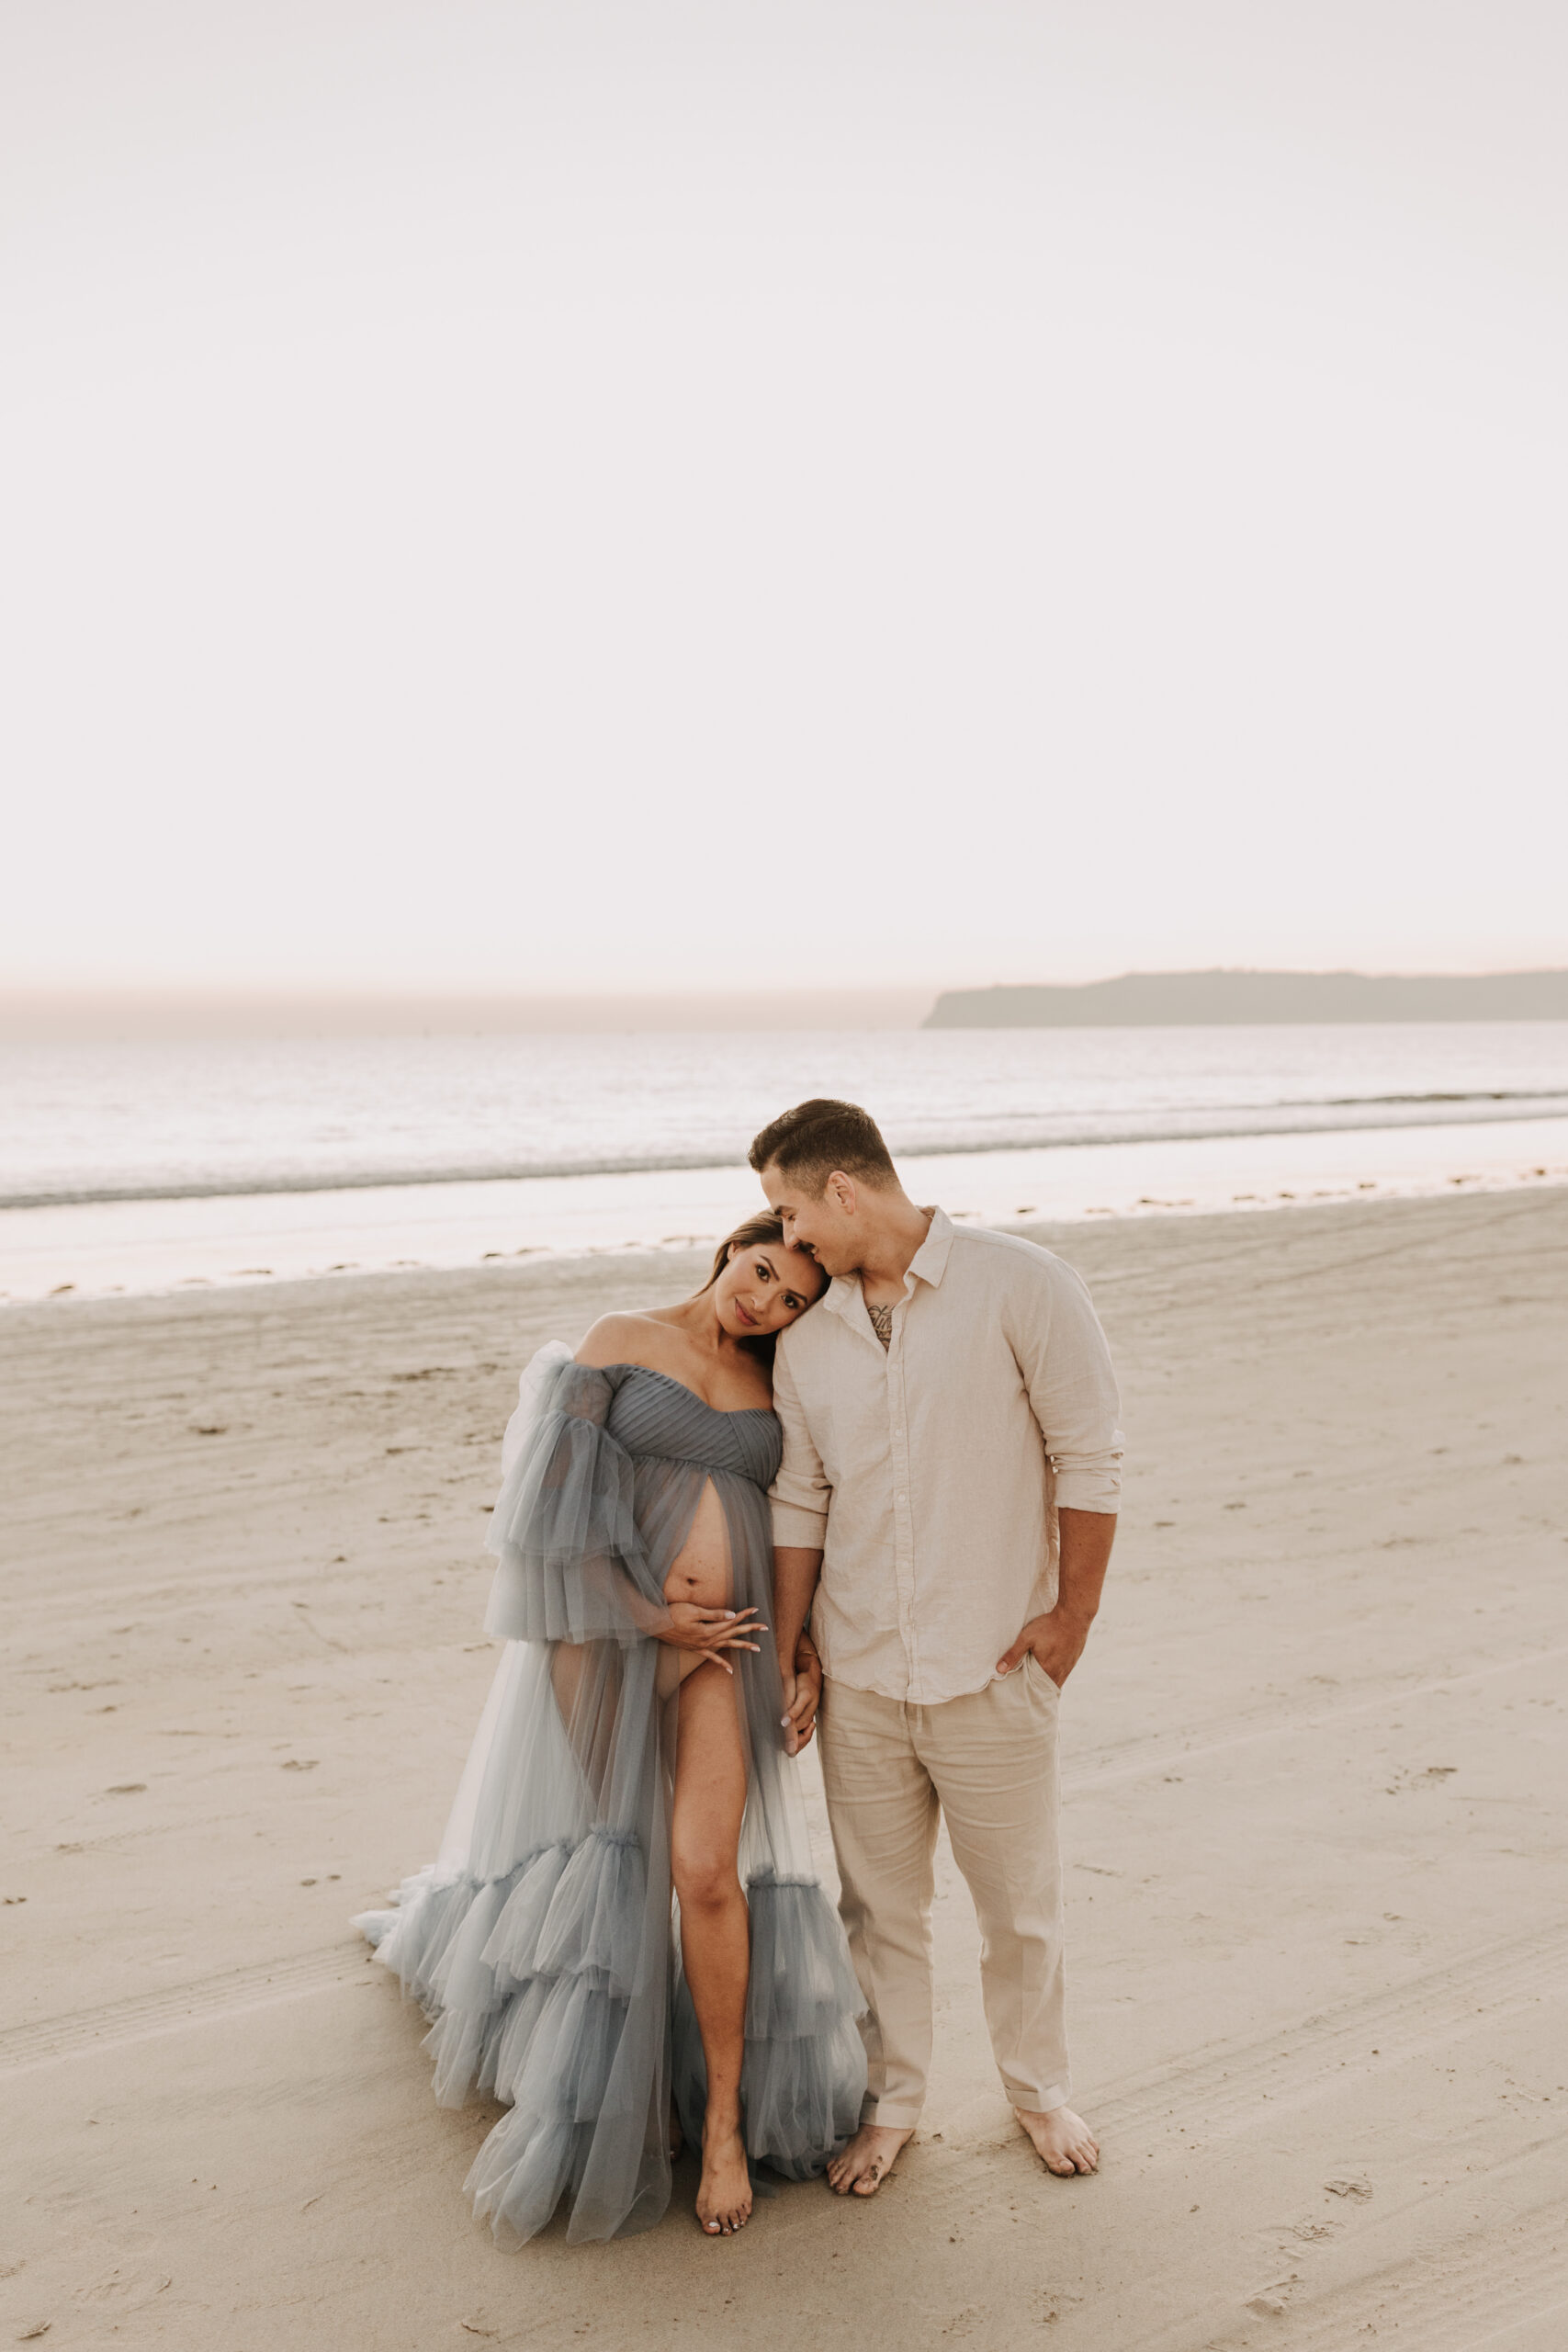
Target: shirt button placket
(903, 1538)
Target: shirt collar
(929, 1260)
(928, 1265)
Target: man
(943, 1517)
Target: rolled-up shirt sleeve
(800, 1494)
(1062, 1352)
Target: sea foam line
(1199, 1124)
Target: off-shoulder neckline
(727, 1412)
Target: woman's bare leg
(715, 1945)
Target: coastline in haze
(1146, 999)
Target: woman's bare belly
(699, 1573)
(700, 1570)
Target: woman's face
(764, 1287)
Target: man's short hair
(809, 1142)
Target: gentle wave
(1332, 1114)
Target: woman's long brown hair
(764, 1227)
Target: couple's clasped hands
(802, 1692)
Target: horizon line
(106, 1012)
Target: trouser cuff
(1040, 2102)
(897, 2115)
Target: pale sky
(609, 493)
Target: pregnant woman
(633, 1743)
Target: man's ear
(843, 1191)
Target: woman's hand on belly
(711, 1632)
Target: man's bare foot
(1062, 2141)
(867, 2161)
(724, 2192)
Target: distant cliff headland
(1152, 1000)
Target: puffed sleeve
(572, 1566)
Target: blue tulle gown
(542, 1944)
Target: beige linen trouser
(988, 1762)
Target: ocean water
(144, 1165)
(144, 1121)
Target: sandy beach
(1314, 1771)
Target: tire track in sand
(1503, 2289)
(1109, 1768)
(1229, 2086)
(229, 1993)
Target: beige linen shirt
(929, 1476)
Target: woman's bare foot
(1062, 2141)
(724, 2193)
(867, 2161)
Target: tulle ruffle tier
(520, 1973)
